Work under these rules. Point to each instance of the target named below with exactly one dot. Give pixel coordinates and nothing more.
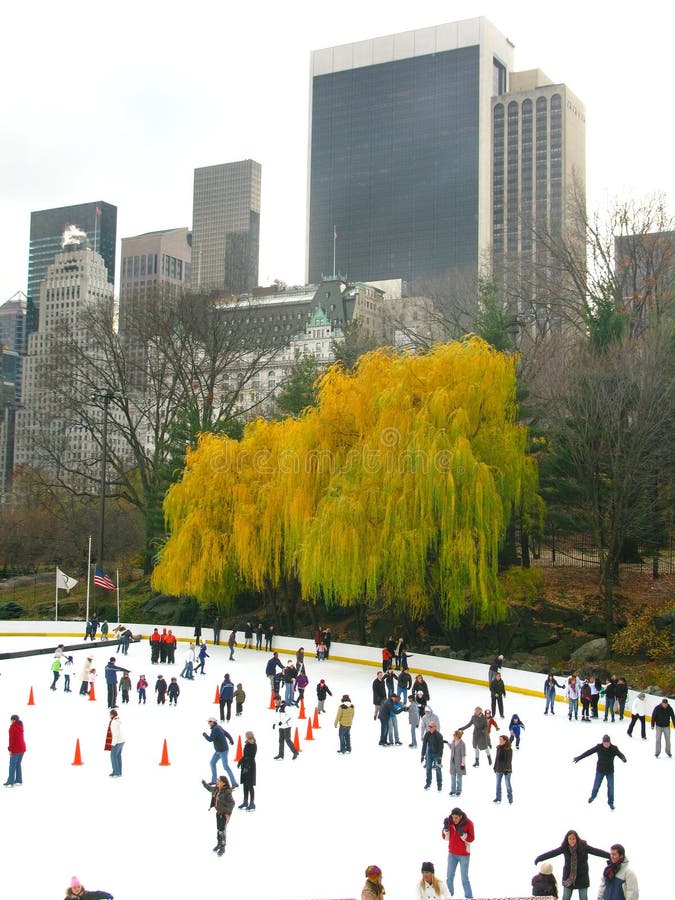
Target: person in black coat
(247, 771)
(575, 869)
(606, 752)
(379, 693)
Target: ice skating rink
(320, 820)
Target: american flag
(101, 580)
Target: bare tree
(166, 378)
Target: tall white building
(48, 436)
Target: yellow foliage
(408, 464)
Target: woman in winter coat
(419, 684)
(502, 767)
(575, 869)
(223, 803)
(549, 692)
(17, 748)
(480, 734)
(84, 676)
(457, 763)
(247, 771)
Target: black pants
(223, 704)
(285, 738)
(633, 720)
(498, 700)
(112, 696)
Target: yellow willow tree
(397, 486)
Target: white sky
(122, 102)
(319, 820)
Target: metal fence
(580, 551)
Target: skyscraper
(49, 435)
(538, 178)
(399, 151)
(99, 222)
(226, 227)
(152, 262)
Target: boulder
(596, 649)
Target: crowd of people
(395, 691)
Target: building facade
(12, 351)
(538, 181)
(226, 227)
(399, 152)
(49, 435)
(98, 220)
(152, 263)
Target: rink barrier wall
(465, 672)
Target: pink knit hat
(75, 882)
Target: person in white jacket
(117, 736)
(618, 880)
(429, 886)
(638, 710)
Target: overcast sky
(120, 102)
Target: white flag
(64, 582)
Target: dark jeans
(223, 704)
(610, 786)
(112, 696)
(633, 720)
(498, 700)
(285, 738)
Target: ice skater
(606, 752)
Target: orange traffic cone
(296, 740)
(78, 757)
(165, 756)
(272, 706)
(309, 736)
(31, 699)
(92, 692)
(238, 755)
(315, 723)
(302, 709)
(216, 699)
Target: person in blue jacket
(515, 726)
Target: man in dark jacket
(225, 697)
(273, 663)
(379, 693)
(219, 738)
(606, 752)
(432, 755)
(662, 716)
(111, 671)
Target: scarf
(611, 870)
(108, 739)
(572, 877)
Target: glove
(462, 769)
(576, 759)
(204, 734)
(274, 726)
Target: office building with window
(155, 263)
(399, 151)
(50, 433)
(98, 220)
(538, 181)
(226, 227)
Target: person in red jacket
(17, 748)
(458, 831)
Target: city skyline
(157, 129)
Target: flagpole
(56, 596)
(88, 578)
(334, 242)
(118, 596)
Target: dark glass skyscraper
(97, 219)
(399, 163)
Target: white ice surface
(319, 820)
